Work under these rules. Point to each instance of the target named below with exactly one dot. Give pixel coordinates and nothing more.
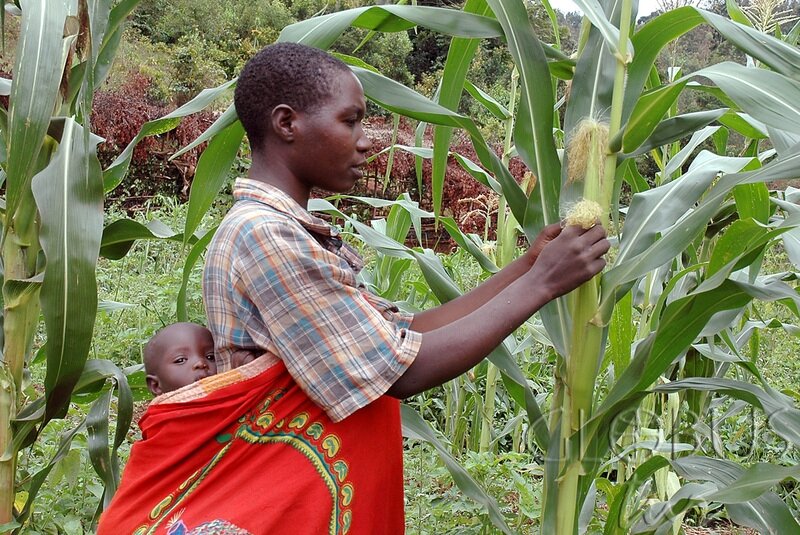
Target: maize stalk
(586, 152)
(591, 160)
(506, 244)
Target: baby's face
(186, 355)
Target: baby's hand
(241, 357)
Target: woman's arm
(463, 305)
(565, 262)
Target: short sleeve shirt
(278, 283)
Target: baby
(178, 355)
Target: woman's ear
(153, 385)
(283, 120)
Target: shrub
(196, 64)
(118, 115)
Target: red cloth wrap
(259, 457)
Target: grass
(435, 506)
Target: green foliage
(684, 274)
(429, 50)
(434, 506)
(226, 24)
(389, 50)
(57, 511)
(196, 64)
(138, 56)
(210, 42)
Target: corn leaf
(212, 172)
(661, 30)
(191, 259)
(403, 202)
(767, 514)
(754, 482)
(459, 57)
(779, 409)
(648, 42)
(675, 128)
(119, 236)
(655, 211)
(658, 517)
(488, 102)
(680, 324)
(617, 522)
(593, 11)
(533, 127)
(97, 426)
(397, 225)
(34, 91)
(104, 459)
(738, 247)
(768, 96)
(322, 31)
(111, 36)
(736, 13)
(222, 122)
(470, 244)
(682, 321)
(398, 98)
(677, 161)
(533, 138)
(69, 195)
(647, 114)
(753, 201)
(99, 19)
(743, 124)
(777, 54)
(680, 234)
(621, 334)
(782, 140)
(477, 173)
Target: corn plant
(669, 318)
(52, 225)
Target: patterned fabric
(252, 454)
(279, 281)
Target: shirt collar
(325, 234)
(255, 190)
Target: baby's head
(178, 355)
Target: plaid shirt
(278, 283)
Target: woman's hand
(568, 258)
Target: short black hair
(283, 73)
